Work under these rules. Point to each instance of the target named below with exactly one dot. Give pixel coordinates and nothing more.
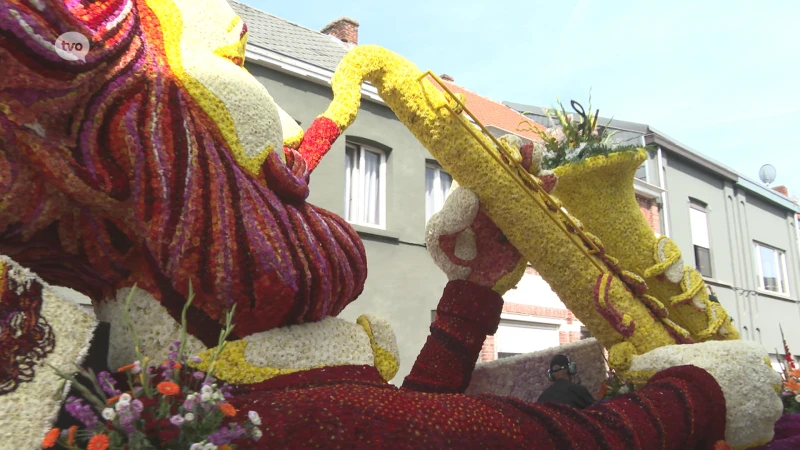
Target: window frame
(356, 173)
(702, 207)
(780, 261)
(646, 165)
(437, 185)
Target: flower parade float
(157, 166)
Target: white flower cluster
(28, 413)
(152, 323)
(330, 342)
(748, 383)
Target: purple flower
(196, 359)
(190, 402)
(227, 435)
(108, 384)
(137, 406)
(198, 375)
(176, 420)
(81, 412)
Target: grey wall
(736, 218)
(403, 284)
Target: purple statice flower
(81, 412)
(196, 359)
(198, 375)
(108, 384)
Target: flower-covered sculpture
(158, 160)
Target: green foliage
(570, 139)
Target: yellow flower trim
(667, 256)
(328, 343)
(232, 367)
(599, 191)
(561, 262)
(226, 92)
(386, 363)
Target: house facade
(741, 236)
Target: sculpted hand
(467, 245)
(748, 382)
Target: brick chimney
(781, 190)
(344, 28)
(446, 77)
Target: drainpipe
(663, 185)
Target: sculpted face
(204, 41)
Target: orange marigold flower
(50, 438)
(177, 365)
(227, 409)
(168, 388)
(71, 435)
(126, 368)
(98, 442)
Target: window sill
(776, 295)
(717, 282)
(374, 232)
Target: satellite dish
(767, 173)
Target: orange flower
(177, 365)
(224, 447)
(168, 388)
(113, 400)
(98, 442)
(126, 368)
(227, 409)
(50, 438)
(722, 445)
(793, 385)
(71, 435)
(603, 390)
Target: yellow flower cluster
(560, 261)
(599, 191)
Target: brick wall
(649, 208)
(487, 351)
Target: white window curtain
(772, 268)
(364, 185)
(437, 186)
(699, 222)
(372, 186)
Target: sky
(722, 77)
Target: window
(700, 240)
(515, 337)
(771, 264)
(437, 186)
(365, 186)
(641, 172)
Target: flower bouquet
(167, 405)
(613, 386)
(570, 140)
(791, 392)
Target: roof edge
(301, 69)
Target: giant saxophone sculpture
(615, 304)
